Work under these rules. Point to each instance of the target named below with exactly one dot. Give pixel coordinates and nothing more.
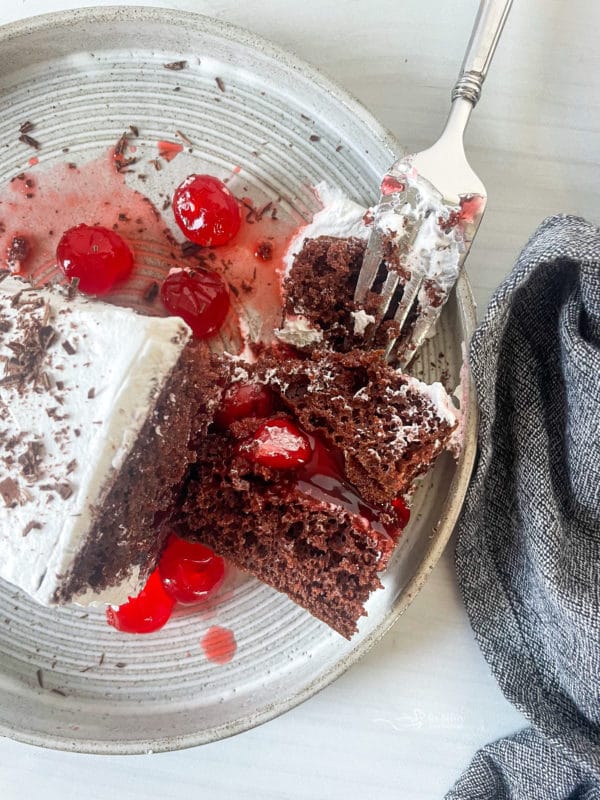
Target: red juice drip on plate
(43, 207)
(168, 150)
(322, 479)
(219, 644)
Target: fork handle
(488, 26)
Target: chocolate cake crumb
(91, 393)
(220, 83)
(314, 138)
(264, 251)
(17, 254)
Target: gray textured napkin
(528, 547)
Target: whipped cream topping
(298, 332)
(68, 422)
(424, 226)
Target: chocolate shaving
(184, 137)
(26, 139)
(59, 692)
(33, 525)
(151, 292)
(71, 466)
(101, 660)
(26, 127)
(65, 490)
(91, 393)
(9, 491)
(68, 347)
(314, 138)
(134, 130)
(47, 336)
(40, 678)
(30, 459)
(176, 65)
(189, 249)
(120, 664)
(220, 83)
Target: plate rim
(462, 474)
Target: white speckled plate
(67, 680)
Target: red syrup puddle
(41, 206)
(219, 644)
(322, 479)
(168, 150)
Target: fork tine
(370, 266)
(427, 318)
(411, 289)
(388, 290)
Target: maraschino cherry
(187, 573)
(206, 211)
(277, 444)
(199, 296)
(243, 400)
(98, 257)
(190, 571)
(145, 613)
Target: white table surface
(404, 721)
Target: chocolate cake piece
(389, 426)
(322, 531)
(320, 290)
(323, 556)
(130, 529)
(97, 408)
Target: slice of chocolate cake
(299, 479)
(97, 407)
(319, 298)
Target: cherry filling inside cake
(300, 477)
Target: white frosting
(434, 253)
(298, 332)
(110, 385)
(338, 216)
(362, 320)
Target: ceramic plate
(66, 679)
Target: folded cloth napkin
(528, 546)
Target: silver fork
(429, 210)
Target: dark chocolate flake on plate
(176, 66)
(29, 140)
(68, 347)
(220, 83)
(32, 525)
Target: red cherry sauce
(168, 150)
(390, 184)
(219, 644)
(471, 206)
(43, 202)
(323, 479)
